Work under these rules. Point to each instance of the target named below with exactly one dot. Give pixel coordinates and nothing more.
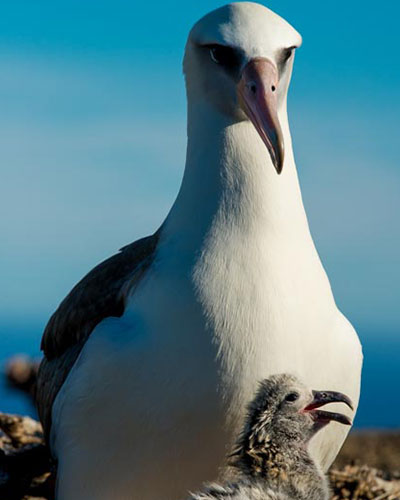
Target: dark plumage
(271, 457)
(100, 294)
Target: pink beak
(257, 92)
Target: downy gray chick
(271, 456)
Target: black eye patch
(284, 57)
(225, 56)
(286, 53)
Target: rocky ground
(367, 468)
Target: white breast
(270, 310)
(170, 379)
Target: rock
(21, 372)
(362, 483)
(26, 468)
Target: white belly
(139, 415)
(149, 409)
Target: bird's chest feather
(186, 356)
(254, 304)
(266, 312)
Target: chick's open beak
(257, 93)
(321, 398)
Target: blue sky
(92, 140)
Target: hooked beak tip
(322, 398)
(278, 159)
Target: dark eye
(293, 396)
(286, 54)
(223, 55)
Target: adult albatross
(151, 358)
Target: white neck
(229, 170)
(239, 231)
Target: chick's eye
(293, 396)
(224, 56)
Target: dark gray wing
(100, 294)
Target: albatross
(151, 358)
(270, 457)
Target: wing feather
(100, 294)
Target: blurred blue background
(92, 145)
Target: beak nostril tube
(273, 88)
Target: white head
(239, 60)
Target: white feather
(236, 293)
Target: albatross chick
(271, 455)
